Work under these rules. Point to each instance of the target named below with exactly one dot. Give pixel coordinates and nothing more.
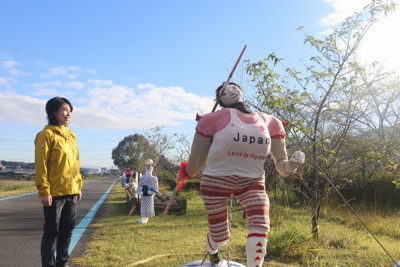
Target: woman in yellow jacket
(58, 181)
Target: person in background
(58, 181)
(232, 145)
(147, 187)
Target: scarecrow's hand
(181, 177)
(298, 158)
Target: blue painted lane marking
(27, 194)
(80, 229)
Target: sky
(128, 66)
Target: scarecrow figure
(122, 179)
(232, 145)
(128, 176)
(147, 187)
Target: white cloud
(99, 104)
(11, 67)
(381, 42)
(75, 85)
(3, 81)
(52, 88)
(105, 105)
(9, 64)
(71, 72)
(342, 9)
(110, 106)
(48, 89)
(22, 108)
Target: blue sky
(128, 66)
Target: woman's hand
(46, 200)
(79, 196)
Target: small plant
(287, 246)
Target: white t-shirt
(239, 148)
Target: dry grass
(11, 187)
(175, 240)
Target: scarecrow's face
(148, 168)
(232, 95)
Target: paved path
(21, 223)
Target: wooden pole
(229, 78)
(169, 204)
(215, 106)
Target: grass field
(175, 240)
(10, 187)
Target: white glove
(298, 158)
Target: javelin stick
(229, 78)
(169, 203)
(215, 106)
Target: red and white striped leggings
(250, 192)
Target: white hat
(149, 162)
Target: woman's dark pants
(59, 221)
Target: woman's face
(64, 114)
(232, 95)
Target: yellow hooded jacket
(57, 162)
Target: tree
(377, 145)
(162, 145)
(132, 151)
(323, 104)
(182, 148)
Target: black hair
(240, 105)
(52, 107)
